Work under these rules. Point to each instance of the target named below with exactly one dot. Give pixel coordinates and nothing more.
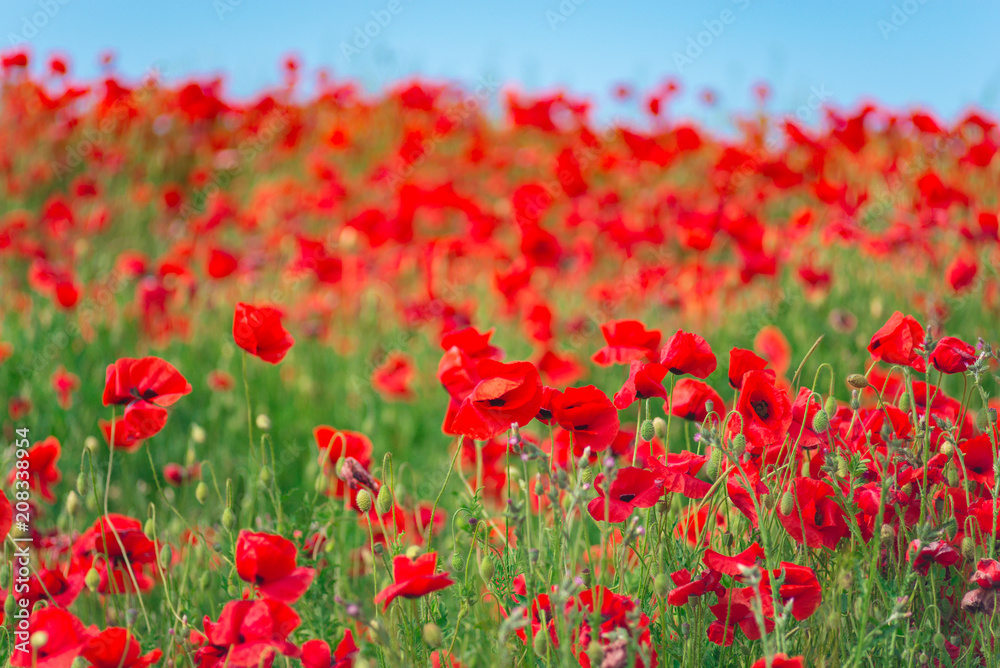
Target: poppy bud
(947, 449)
(787, 503)
(924, 659)
(487, 568)
(265, 475)
(412, 552)
(4, 576)
(661, 584)
(539, 487)
(711, 467)
(204, 581)
(660, 427)
(263, 422)
(383, 501)
(595, 653)
(739, 444)
(198, 434)
(857, 381)
(821, 421)
(228, 519)
(38, 639)
(456, 562)
(432, 634)
(364, 500)
(586, 476)
(149, 528)
(72, 503)
(586, 576)
(320, 484)
(907, 489)
(969, 548)
(904, 402)
(939, 640)
(685, 629)
(855, 400)
(830, 406)
(165, 555)
(10, 607)
(92, 579)
(887, 532)
(842, 467)
(81, 484)
(647, 430)
(91, 444)
(984, 418)
(539, 643)
(201, 492)
(952, 477)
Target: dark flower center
(761, 408)
(497, 402)
(626, 497)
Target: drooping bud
(92, 444)
(887, 532)
(711, 468)
(38, 639)
(661, 584)
(228, 519)
(855, 400)
(830, 406)
(265, 475)
(969, 548)
(739, 444)
(539, 643)
(904, 402)
(4, 576)
(456, 562)
(165, 555)
(201, 491)
(984, 418)
(263, 422)
(787, 503)
(383, 501)
(586, 476)
(938, 640)
(364, 500)
(81, 484)
(647, 431)
(149, 528)
(72, 503)
(487, 568)
(857, 381)
(947, 449)
(92, 579)
(10, 607)
(821, 421)
(660, 427)
(432, 635)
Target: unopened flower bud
(38, 639)
(92, 579)
(432, 634)
(855, 400)
(72, 503)
(81, 484)
(887, 532)
(456, 562)
(647, 430)
(228, 519)
(787, 503)
(91, 443)
(149, 528)
(969, 548)
(10, 607)
(842, 467)
(857, 381)
(201, 491)
(660, 427)
(204, 581)
(198, 434)
(985, 418)
(904, 402)
(364, 500)
(487, 568)
(383, 501)
(586, 476)
(830, 406)
(165, 555)
(821, 421)
(265, 475)
(4, 576)
(947, 449)
(263, 422)
(661, 584)
(938, 640)
(540, 642)
(739, 444)
(595, 653)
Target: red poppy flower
(741, 361)
(690, 400)
(627, 341)
(726, 565)
(922, 555)
(471, 342)
(678, 474)
(952, 355)
(822, 521)
(413, 578)
(316, 653)
(259, 332)
(693, 524)
(780, 660)
(589, 416)
(987, 574)
(687, 586)
(50, 584)
(248, 634)
(632, 488)
(645, 381)
(268, 562)
(65, 384)
(799, 586)
(112, 545)
(43, 468)
(733, 610)
(962, 272)
(221, 263)
(504, 395)
(765, 412)
(559, 368)
(141, 420)
(898, 341)
(393, 377)
(149, 379)
(6, 516)
(116, 647)
(688, 353)
(65, 639)
(351, 445)
(771, 344)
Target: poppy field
(465, 377)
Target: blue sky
(939, 54)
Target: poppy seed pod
(787, 503)
(364, 500)
(383, 501)
(647, 431)
(857, 381)
(821, 421)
